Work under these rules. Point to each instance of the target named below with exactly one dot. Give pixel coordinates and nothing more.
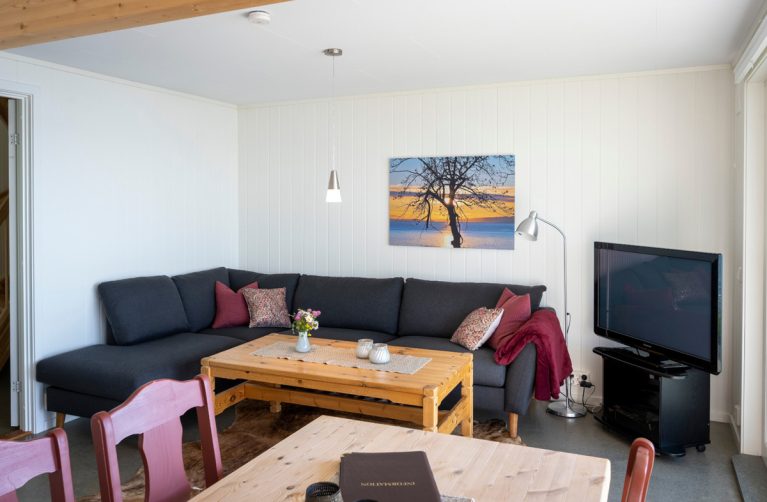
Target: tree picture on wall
(457, 202)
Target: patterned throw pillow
(267, 308)
(477, 328)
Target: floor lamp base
(567, 410)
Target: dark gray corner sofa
(159, 327)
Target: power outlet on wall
(578, 376)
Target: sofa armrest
(520, 381)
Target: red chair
(154, 412)
(21, 461)
(638, 471)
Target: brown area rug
(256, 429)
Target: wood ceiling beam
(27, 22)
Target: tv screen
(665, 301)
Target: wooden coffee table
(484, 470)
(409, 398)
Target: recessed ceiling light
(259, 17)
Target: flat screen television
(663, 301)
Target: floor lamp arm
(566, 314)
(568, 408)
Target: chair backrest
(638, 471)
(21, 461)
(154, 412)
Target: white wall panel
(128, 180)
(640, 159)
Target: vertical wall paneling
(639, 159)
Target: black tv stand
(665, 402)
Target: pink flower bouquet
(306, 320)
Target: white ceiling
(396, 45)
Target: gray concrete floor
(752, 477)
(707, 476)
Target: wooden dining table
(463, 467)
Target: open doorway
(9, 377)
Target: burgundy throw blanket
(553, 363)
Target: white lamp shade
(333, 195)
(334, 188)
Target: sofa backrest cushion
(198, 294)
(143, 308)
(436, 308)
(352, 302)
(240, 278)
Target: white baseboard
(49, 421)
(735, 429)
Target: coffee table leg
(205, 370)
(275, 406)
(430, 409)
(467, 392)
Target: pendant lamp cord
(333, 139)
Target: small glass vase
(364, 346)
(379, 354)
(302, 344)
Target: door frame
(24, 267)
(750, 359)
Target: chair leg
(60, 419)
(513, 425)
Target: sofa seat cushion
(143, 308)
(114, 372)
(198, 293)
(241, 278)
(436, 308)
(351, 335)
(486, 371)
(352, 302)
(244, 333)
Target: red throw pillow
(231, 308)
(516, 312)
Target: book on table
(388, 477)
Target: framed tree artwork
(457, 202)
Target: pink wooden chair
(154, 411)
(21, 461)
(638, 471)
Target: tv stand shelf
(643, 397)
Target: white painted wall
(128, 180)
(641, 159)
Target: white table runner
(335, 356)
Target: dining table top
(463, 467)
